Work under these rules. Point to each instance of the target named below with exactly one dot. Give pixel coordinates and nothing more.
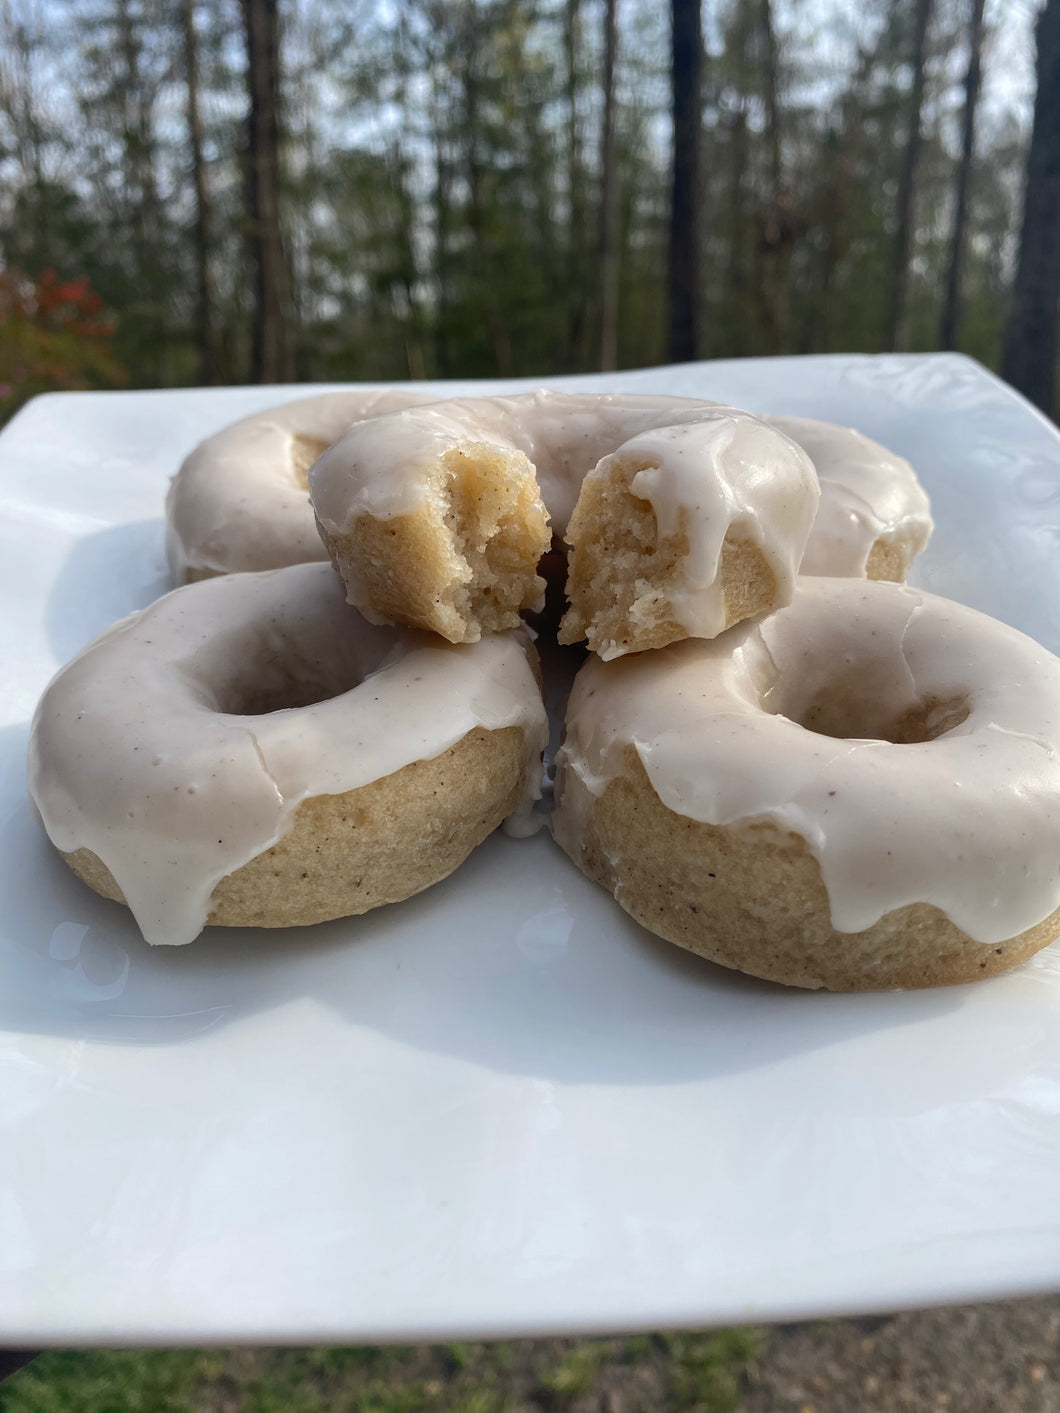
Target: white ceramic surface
(500, 1107)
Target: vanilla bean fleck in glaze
(178, 746)
(822, 720)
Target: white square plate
(499, 1107)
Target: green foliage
(442, 185)
(478, 1401)
(683, 1372)
(576, 1372)
(125, 1381)
(637, 1347)
(462, 1356)
(52, 337)
(707, 1369)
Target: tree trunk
(609, 201)
(476, 196)
(951, 302)
(409, 313)
(141, 189)
(896, 333)
(203, 282)
(138, 144)
(775, 236)
(686, 79)
(736, 242)
(577, 317)
(132, 157)
(270, 356)
(838, 167)
(441, 249)
(1029, 359)
(30, 140)
(771, 86)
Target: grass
(686, 1373)
(575, 1373)
(707, 1369)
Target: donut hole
(280, 690)
(846, 713)
(304, 451)
(286, 666)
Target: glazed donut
(240, 501)
(247, 751)
(874, 517)
(860, 792)
(683, 516)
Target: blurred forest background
(219, 191)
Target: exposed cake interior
(304, 451)
(497, 531)
(890, 559)
(620, 568)
(624, 575)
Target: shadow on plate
(104, 577)
(516, 963)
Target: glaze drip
(967, 818)
(708, 471)
(868, 494)
(134, 756)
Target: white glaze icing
(236, 502)
(867, 494)
(722, 468)
(969, 822)
(140, 752)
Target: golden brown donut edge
(751, 898)
(380, 843)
